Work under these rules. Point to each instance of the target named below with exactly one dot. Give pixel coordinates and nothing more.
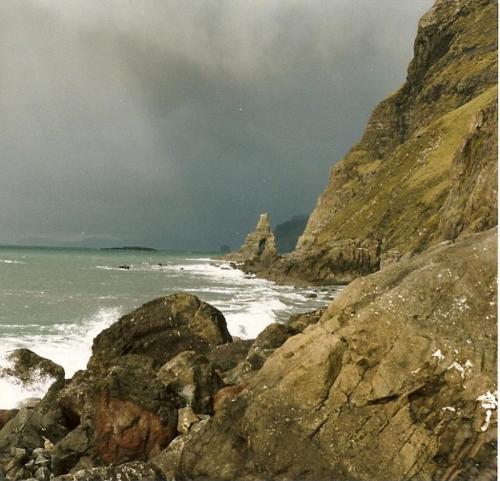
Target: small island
(129, 248)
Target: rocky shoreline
(394, 369)
(155, 378)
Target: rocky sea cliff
(395, 379)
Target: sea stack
(259, 246)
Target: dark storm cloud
(175, 124)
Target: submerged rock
(366, 383)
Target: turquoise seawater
(55, 301)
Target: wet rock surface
(29, 367)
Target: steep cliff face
(425, 168)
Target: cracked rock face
(397, 371)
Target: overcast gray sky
(173, 123)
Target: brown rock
(227, 394)
(123, 406)
(132, 406)
(124, 431)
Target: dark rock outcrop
(125, 405)
(394, 382)
(227, 356)
(272, 337)
(29, 367)
(6, 415)
(299, 322)
(162, 329)
(32, 428)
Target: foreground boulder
(396, 381)
(160, 329)
(144, 369)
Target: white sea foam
(10, 261)
(70, 347)
(13, 391)
(250, 321)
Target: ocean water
(55, 301)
